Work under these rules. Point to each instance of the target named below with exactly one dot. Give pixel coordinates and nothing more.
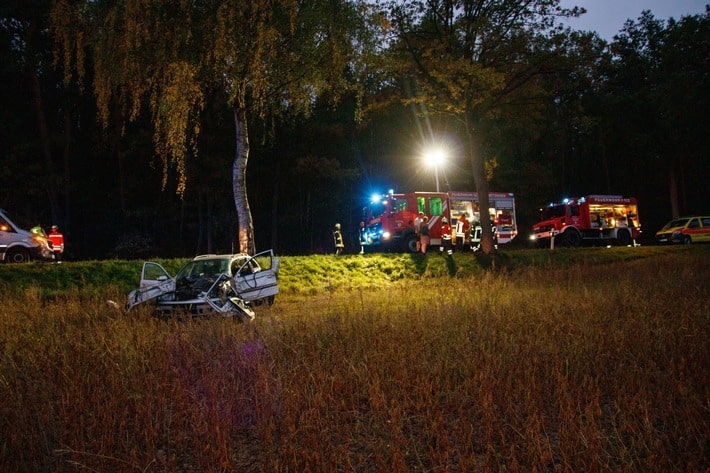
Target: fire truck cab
(389, 221)
(605, 218)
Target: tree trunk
(45, 141)
(605, 163)
(245, 234)
(479, 180)
(275, 207)
(209, 220)
(673, 191)
(65, 219)
(200, 223)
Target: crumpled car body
(229, 285)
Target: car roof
(221, 256)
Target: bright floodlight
(435, 157)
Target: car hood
(26, 236)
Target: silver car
(20, 246)
(223, 284)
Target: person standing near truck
(417, 227)
(57, 239)
(338, 240)
(462, 229)
(38, 230)
(362, 237)
(424, 234)
(446, 237)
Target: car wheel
(573, 238)
(623, 238)
(687, 240)
(410, 243)
(18, 255)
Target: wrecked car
(229, 285)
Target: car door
(4, 238)
(694, 229)
(704, 233)
(254, 281)
(155, 282)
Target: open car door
(155, 282)
(256, 279)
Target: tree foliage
(539, 110)
(662, 68)
(474, 61)
(268, 57)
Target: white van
(19, 246)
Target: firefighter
(338, 240)
(475, 235)
(462, 228)
(362, 236)
(57, 240)
(445, 237)
(38, 230)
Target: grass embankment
(592, 366)
(318, 273)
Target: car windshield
(212, 267)
(206, 268)
(681, 222)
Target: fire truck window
(553, 212)
(436, 206)
(400, 205)
(458, 207)
(421, 204)
(574, 210)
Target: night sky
(607, 17)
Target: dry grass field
(581, 368)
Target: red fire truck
(602, 218)
(389, 221)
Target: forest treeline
(549, 112)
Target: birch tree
(166, 56)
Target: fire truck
(389, 221)
(600, 218)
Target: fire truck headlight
(532, 237)
(386, 235)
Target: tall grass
(588, 368)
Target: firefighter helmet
(337, 226)
(444, 220)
